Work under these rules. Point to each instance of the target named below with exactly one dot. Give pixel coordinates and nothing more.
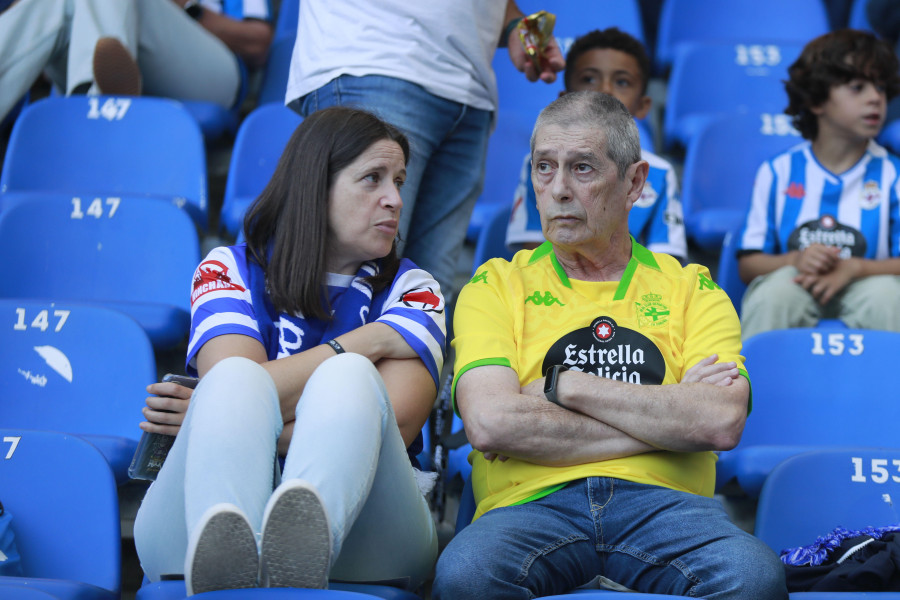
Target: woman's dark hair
(290, 216)
(612, 38)
(835, 59)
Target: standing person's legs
(451, 184)
(774, 301)
(347, 445)
(448, 143)
(33, 34)
(91, 21)
(180, 59)
(225, 452)
(658, 540)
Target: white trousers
(177, 57)
(346, 443)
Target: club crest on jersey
(651, 312)
(622, 354)
(423, 299)
(870, 197)
(648, 196)
(212, 276)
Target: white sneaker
(296, 538)
(221, 552)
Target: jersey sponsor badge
(212, 276)
(795, 191)
(608, 350)
(827, 231)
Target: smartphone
(154, 447)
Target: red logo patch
(423, 299)
(212, 276)
(795, 191)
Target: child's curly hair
(834, 59)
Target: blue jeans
(448, 143)
(346, 443)
(649, 539)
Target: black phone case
(154, 447)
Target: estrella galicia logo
(608, 350)
(827, 231)
(603, 329)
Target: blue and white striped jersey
(797, 202)
(228, 296)
(240, 9)
(656, 220)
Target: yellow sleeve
(483, 322)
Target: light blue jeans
(346, 443)
(444, 177)
(649, 539)
(774, 301)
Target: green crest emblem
(651, 312)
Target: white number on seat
(41, 321)
(13, 441)
(95, 208)
(113, 109)
(837, 345)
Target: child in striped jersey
(318, 353)
(822, 235)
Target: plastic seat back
(62, 498)
(748, 78)
(76, 368)
(109, 146)
(811, 494)
(136, 255)
(720, 168)
(812, 388)
(773, 21)
(275, 75)
(257, 149)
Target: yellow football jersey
(648, 328)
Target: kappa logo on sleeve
(212, 276)
(423, 299)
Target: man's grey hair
(594, 110)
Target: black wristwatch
(551, 381)
(193, 9)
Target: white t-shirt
(446, 47)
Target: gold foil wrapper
(534, 33)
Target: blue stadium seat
(492, 238)
(810, 494)
(858, 17)
(728, 277)
(10, 591)
(577, 17)
(257, 149)
(287, 19)
(275, 74)
(135, 255)
(720, 167)
(107, 146)
(890, 136)
(812, 388)
(767, 21)
(76, 368)
(65, 515)
(747, 79)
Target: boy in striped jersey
(822, 236)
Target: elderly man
(595, 379)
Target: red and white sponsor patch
(212, 276)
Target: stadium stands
(65, 515)
(257, 149)
(812, 388)
(102, 146)
(682, 22)
(748, 79)
(718, 175)
(76, 368)
(132, 254)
